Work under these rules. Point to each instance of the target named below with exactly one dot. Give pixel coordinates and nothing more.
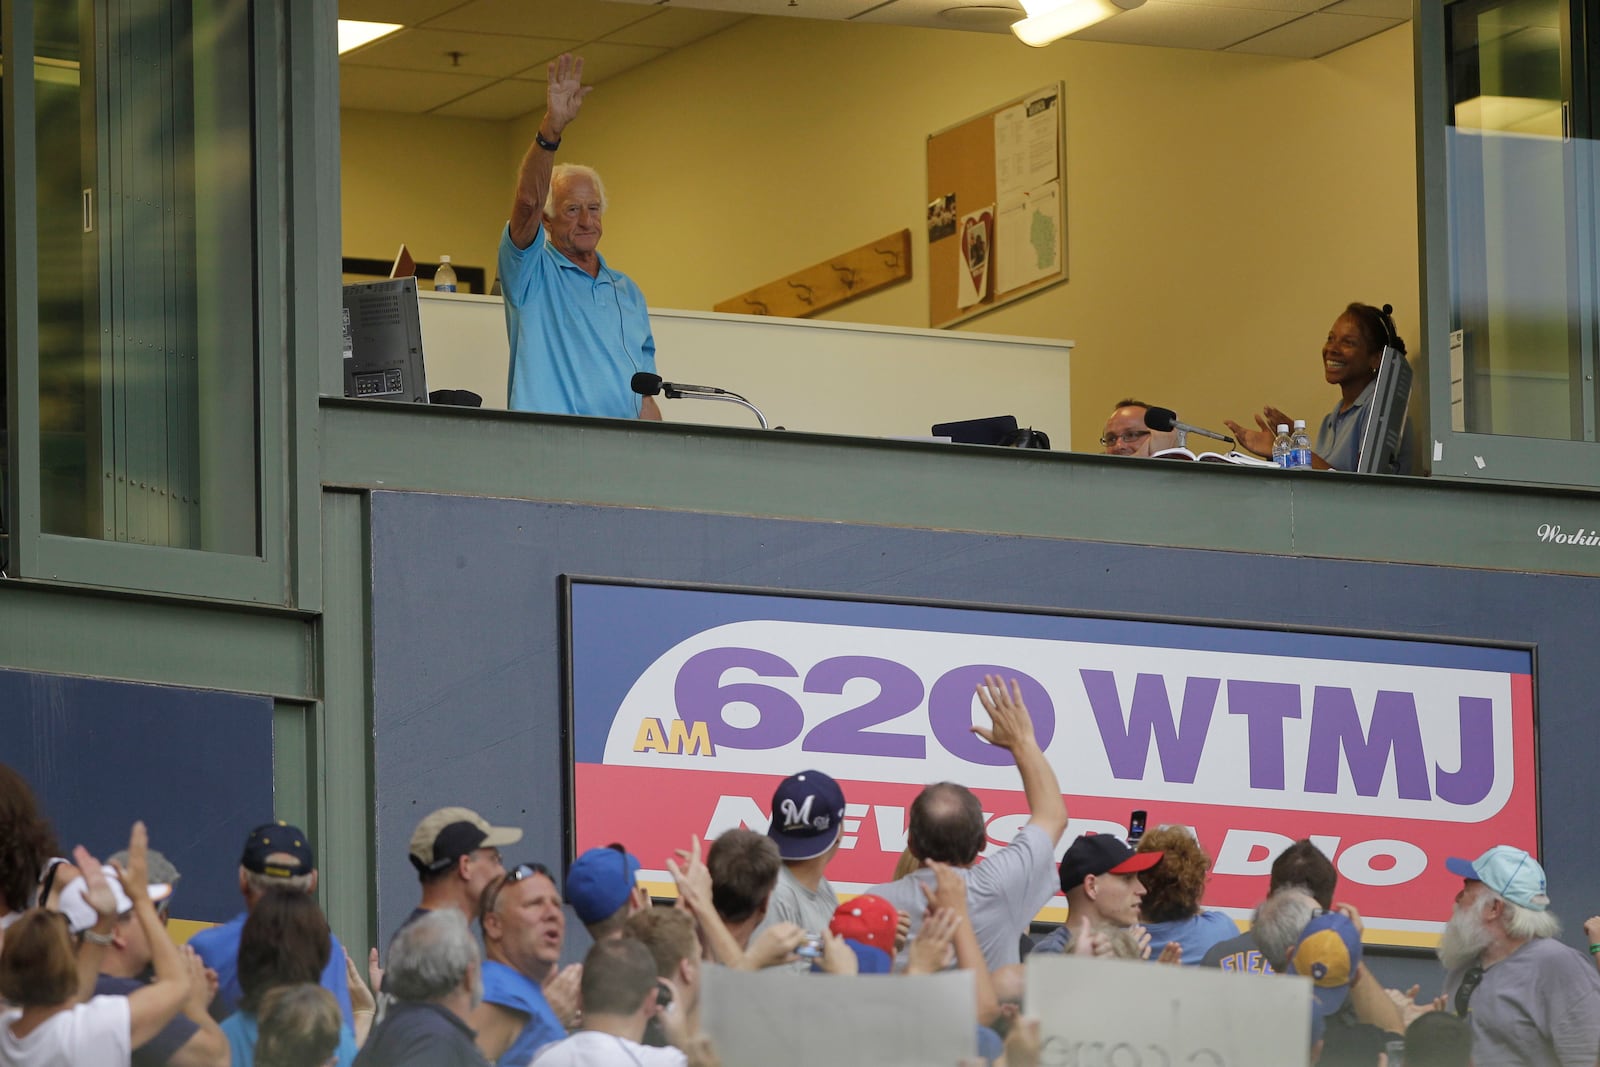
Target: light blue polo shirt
(576, 341)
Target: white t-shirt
(590, 1048)
(96, 1034)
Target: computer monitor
(1381, 436)
(990, 431)
(383, 342)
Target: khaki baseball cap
(450, 833)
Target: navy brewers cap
(807, 809)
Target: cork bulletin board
(997, 206)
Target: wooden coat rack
(831, 282)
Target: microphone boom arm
(678, 393)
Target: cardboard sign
(780, 1019)
(688, 707)
(1095, 1012)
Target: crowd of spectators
(90, 976)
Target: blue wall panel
(466, 636)
(194, 764)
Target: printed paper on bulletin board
(997, 206)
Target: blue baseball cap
(807, 810)
(1328, 953)
(1510, 872)
(600, 881)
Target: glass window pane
(147, 364)
(1513, 203)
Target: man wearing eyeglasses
(1127, 435)
(523, 930)
(457, 854)
(1532, 1001)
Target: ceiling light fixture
(1051, 20)
(353, 34)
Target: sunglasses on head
(520, 872)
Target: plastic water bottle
(1300, 447)
(1280, 446)
(444, 279)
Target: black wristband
(548, 146)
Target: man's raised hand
(564, 91)
(1010, 725)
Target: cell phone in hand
(810, 948)
(1136, 826)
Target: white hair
(564, 171)
(431, 956)
(1280, 920)
(1526, 924)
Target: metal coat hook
(847, 275)
(805, 297)
(890, 256)
(761, 309)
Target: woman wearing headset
(1350, 358)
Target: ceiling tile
(507, 99)
(811, 9)
(377, 89)
(1314, 35)
(491, 55)
(1389, 9)
(405, 12)
(584, 20)
(601, 61)
(674, 27)
(1288, 7)
(993, 16)
(1170, 25)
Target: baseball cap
(446, 835)
(1328, 953)
(291, 851)
(1102, 854)
(806, 813)
(600, 881)
(1510, 872)
(868, 919)
(81, 914)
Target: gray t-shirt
(1004, 893)
(1538, 1007)
(793, 903)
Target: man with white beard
(1531, 1000)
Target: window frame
(295, 268)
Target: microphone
(646, 384)
(1166, 419)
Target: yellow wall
(439, 185)
(1221, 209)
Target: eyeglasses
(1127, 436)
(522, 871)
(1468, 986)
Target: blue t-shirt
(1196, 934)
(241, 1029)
(576, 341)
(218, 948)
(512, 989)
